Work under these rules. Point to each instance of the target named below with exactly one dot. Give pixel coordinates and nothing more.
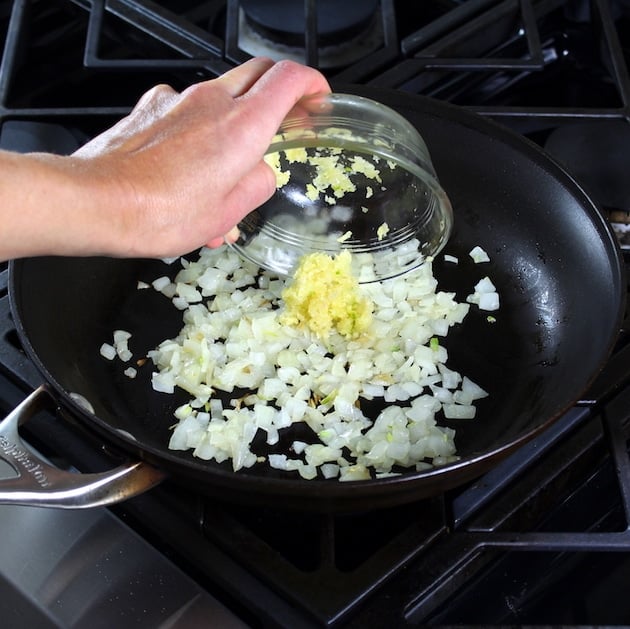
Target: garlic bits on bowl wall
(351, 174)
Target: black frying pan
(554, 260)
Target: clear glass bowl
(352, 174)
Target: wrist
(51, 205)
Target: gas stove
(542, 539)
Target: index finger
(240, 79)
(277, 91)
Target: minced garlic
(345, 236)
(326, 296)
(330, 173)
(282, 176)
(333, 171)
(296, 155)
(362, 165)
(382, 231)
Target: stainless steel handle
(38, 483)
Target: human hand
(181, 170)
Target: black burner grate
(477, 53)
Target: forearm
(48, 206)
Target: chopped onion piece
(459, 411)
(479, 255)
(108, 351)
(161, 283)
(485, 295)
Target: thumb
(250, 192)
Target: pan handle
(40, 484)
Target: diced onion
(233, 340)
(108, 351)
(485, 295)
(479, 255)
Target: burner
(344, 33)
(284, 21)
(596, 154)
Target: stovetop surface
(542, 539)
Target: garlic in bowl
(351, 174)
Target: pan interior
(553, 261)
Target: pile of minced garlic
(325, 295)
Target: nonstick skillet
(554, 261)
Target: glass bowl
(351, 174)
